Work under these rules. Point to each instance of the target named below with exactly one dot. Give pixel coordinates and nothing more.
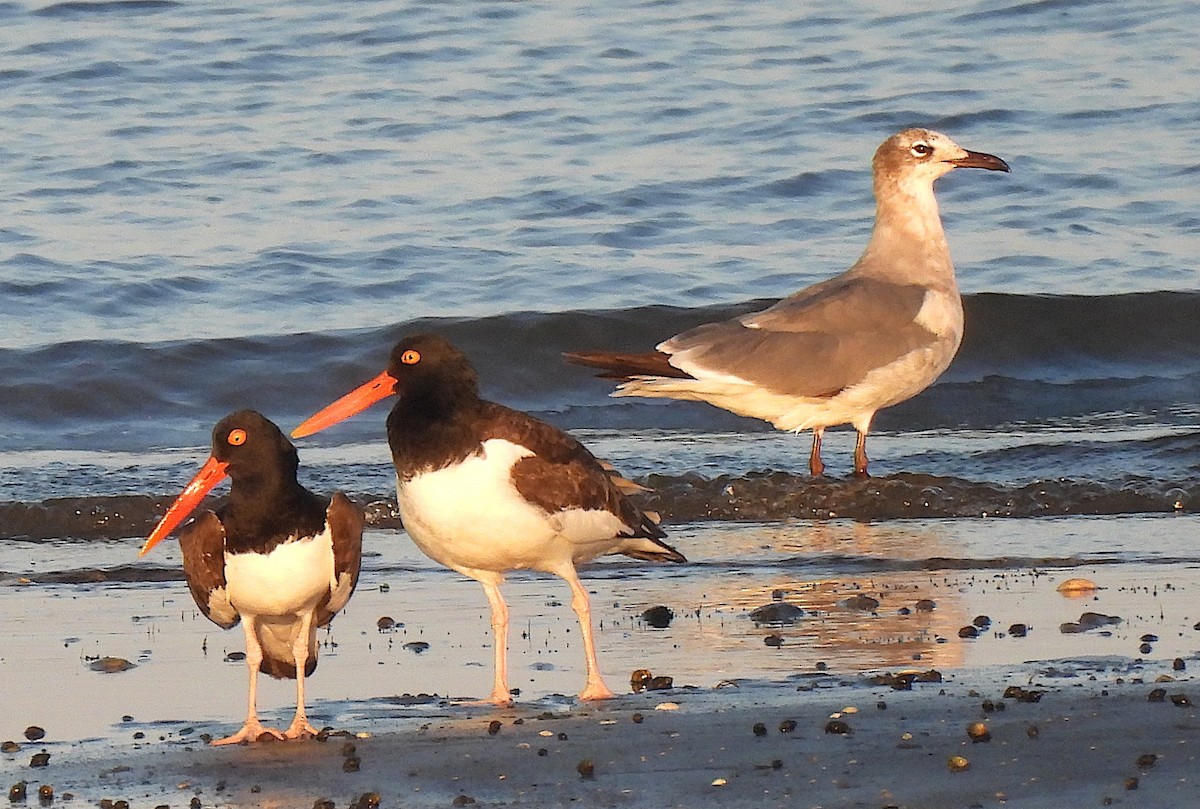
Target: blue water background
(209, 206)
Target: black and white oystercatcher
(840, 350)
(484, 489)
(279, 558)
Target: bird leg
(860, 455)
(300, 728)
(815, 467)
(501, 696)
(253, 728)
(594, 688)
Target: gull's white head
(922, 155)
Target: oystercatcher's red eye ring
(410, 357)
(236, 437)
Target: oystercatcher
(275, 556)
(484, 489)
(840, 350)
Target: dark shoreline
(756, 496)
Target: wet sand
(1091, 740)
(137, 735)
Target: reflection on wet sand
(851, 622)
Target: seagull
(842, 349)
(277, 557)
(484, 489)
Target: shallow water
(1147, 569)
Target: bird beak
(212, 473)
(980, 160)
(353, 402)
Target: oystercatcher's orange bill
(211, 474)
(353, 402)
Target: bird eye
(921, 149)
(410, 357)
(236, 437)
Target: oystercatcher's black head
(252, 446)
(429, 366)
(425, 370)
(246, 447)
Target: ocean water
(209, 207)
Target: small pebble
(638, 680)
(46, 793)
(111, 665)
(978, 731)
(760, 729)
(10, 747)
(958, 764)
(351, 764)
(324, 803)
(982, 621)
(367, 800)
(417, 646)
(1181, 700)
(543, 752)
(860, 602)
(968, 632)
(1146, 760)
(462, 800)
(774, 640)
(1032, 731)
(386, 624)
(777, 613)
(926, 605)
(1178, 664)
(1157, 695)
(40, 760)
(1145, 649)
(1018, 630)
(586, 769)
(659, 617)
(1131, 783)
(837, 726)
(660, 683)
(637, 718)
(493, 727)
(1022, 695)
(33, 733)
(16, 793)
(787, 726)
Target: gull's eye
(921, 149)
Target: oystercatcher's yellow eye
(236, 437)
(410, 357)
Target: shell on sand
(1077, 588)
